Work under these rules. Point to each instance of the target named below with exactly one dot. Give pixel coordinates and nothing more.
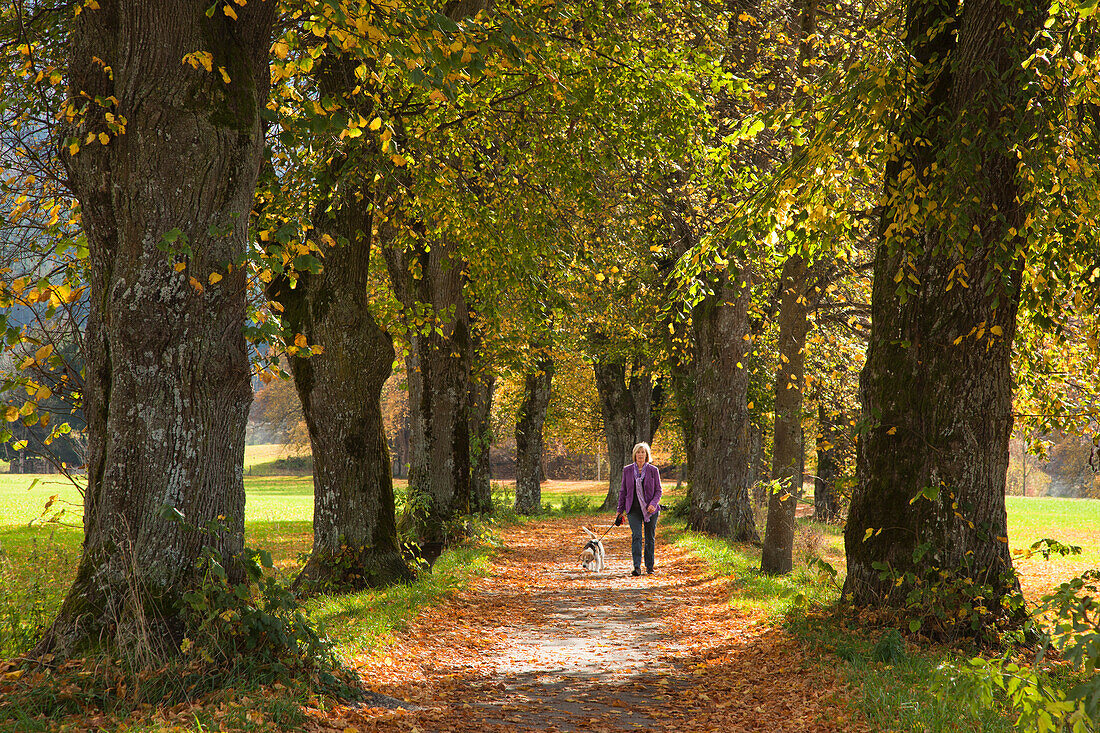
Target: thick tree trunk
(438, 367)
(631, 406)
(355, 541)
(167, 376)
(938, 378)
(481, 438)
(529, 422)
(829, 434)
(720, 474)
(787, 454)
(354, 526)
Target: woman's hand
(618, 519)
(652, 508)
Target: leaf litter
(540, 644)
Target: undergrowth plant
(230, 635)
(1067, 621)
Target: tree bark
(720, 474)
(759, 466)
(439, 363)
(631, 406)
(938, 380)
(529, 422)
(438, 367)
(167, 376)
(787, 455)
(355, 541)
(482, 388)
(830, 429)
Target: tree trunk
(355, 541)
(829, 435)
(438, 367)
(720, 474)
(167, 376)
(938, 379)
(759, 467)
(787, 454)
(529, 422)
(631, 407)
(401, 448)
(481, 439)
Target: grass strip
(892, 681)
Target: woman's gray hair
(648, 452)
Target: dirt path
(539, 644)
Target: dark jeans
(638, 527)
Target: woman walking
(640, 503)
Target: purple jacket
(651, 489)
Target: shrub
(257, 624)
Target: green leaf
(170, 513)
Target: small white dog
(592, 554)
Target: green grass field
(39, 546)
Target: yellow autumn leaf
(104, 138)
(43, 393)
(179, 266)
(891, 431)
(229, 11)
(280, 49)
(300, 341)
(376, 123)
(398, 159)
(196, 284)
(215, 277)
(43, 353)
(997, 331)
(224, 73)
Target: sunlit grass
(366, 622)
(266, 453)
(750, 590)
(1070, 521)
